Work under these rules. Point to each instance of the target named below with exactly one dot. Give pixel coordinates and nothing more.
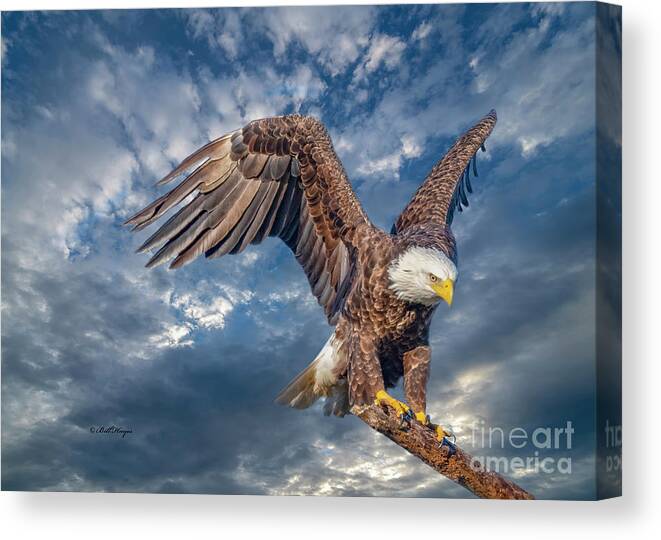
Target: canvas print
(357, 250)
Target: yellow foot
(424, 419)
(383, 398)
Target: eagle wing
(447, 185)
(275, 177)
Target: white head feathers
(410, 274)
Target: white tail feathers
(300, 392)
(319, 379)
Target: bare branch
(421, 441)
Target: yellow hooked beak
(444, 289)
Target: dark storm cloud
(190, 361)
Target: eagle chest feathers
(379, 308)
(280, 177)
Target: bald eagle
(280, 177)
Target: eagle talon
(402, 409)
(423, 418)
(441, 432)
(406, 418)
(452, 448)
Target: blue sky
(98, 105)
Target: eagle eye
(432, 278)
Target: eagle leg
(416, 373)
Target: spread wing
(275, 177)
(447, 185)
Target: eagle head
(423, 275)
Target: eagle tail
(317, 380)
(300, 393)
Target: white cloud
(249, 95)
(206, 306)
(61, 182)
(410, 147)
(388, 165)
(221, 28)
(540, 83)
(422, 31)
(304, 85)
(4, 46)
(160, 110)
(383, 50)
(205, 315)
(554, 9)
(335, 38)
(158, 107)
(173, 335)
(529, 144)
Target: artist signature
(112, 430)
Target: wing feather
(256, 217)
(252, 165)
(215, 150)
(445, 188)
(290, 203)
(269, 218)
(278, 166)
(275, 177)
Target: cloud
(157, 107)
(4, 46)
(383, 50)
(335, 38)
(542, 79)
(65, 184)
(211, 313)
(539, 78)
(390, 164)
(232, 102)
(222, 29)
(422, 31)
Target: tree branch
(421, 441)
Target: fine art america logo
(613, 446)
(532, 448)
